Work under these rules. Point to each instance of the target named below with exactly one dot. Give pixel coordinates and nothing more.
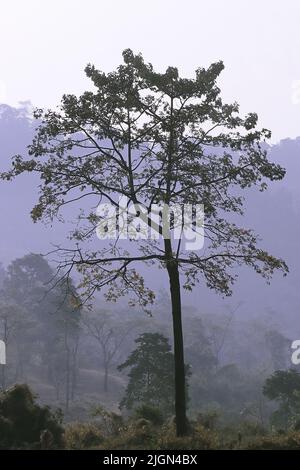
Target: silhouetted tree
(154, 138)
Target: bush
(150, 413)
(140, 434)
(199, 438)
(112, 423)
(208, 419)
(23, 422)
(82, 436)
(249, 428)
(289, 441)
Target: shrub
(82, 436)
(289, 441)
(150, 413)
(249, 428)
(112, 423)
(140, 434)
(208, 419)
(199, 438)
(22, 420)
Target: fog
(108, 366)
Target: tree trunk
(73, 381)
(74, 368)
(67, 385)
(105, 383)
(57, 390)
(67, 372)
(3, 381)
(180, 398)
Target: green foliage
(82, 436)
(150, 413)
(151, 376)
(22, 420)
(284, 387)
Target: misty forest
(133, 342)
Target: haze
(46, 45)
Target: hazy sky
(45, 46)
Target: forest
(109, 383)
(149, 261)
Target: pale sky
(45, 46)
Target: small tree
(154, 139)
(284, 387)
(151, 376)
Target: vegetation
(284, 387)
(25, 424)
(149, 144)
(151, 376)
(155, 139)
(231, 404)
(40, 324)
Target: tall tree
(154, 138)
